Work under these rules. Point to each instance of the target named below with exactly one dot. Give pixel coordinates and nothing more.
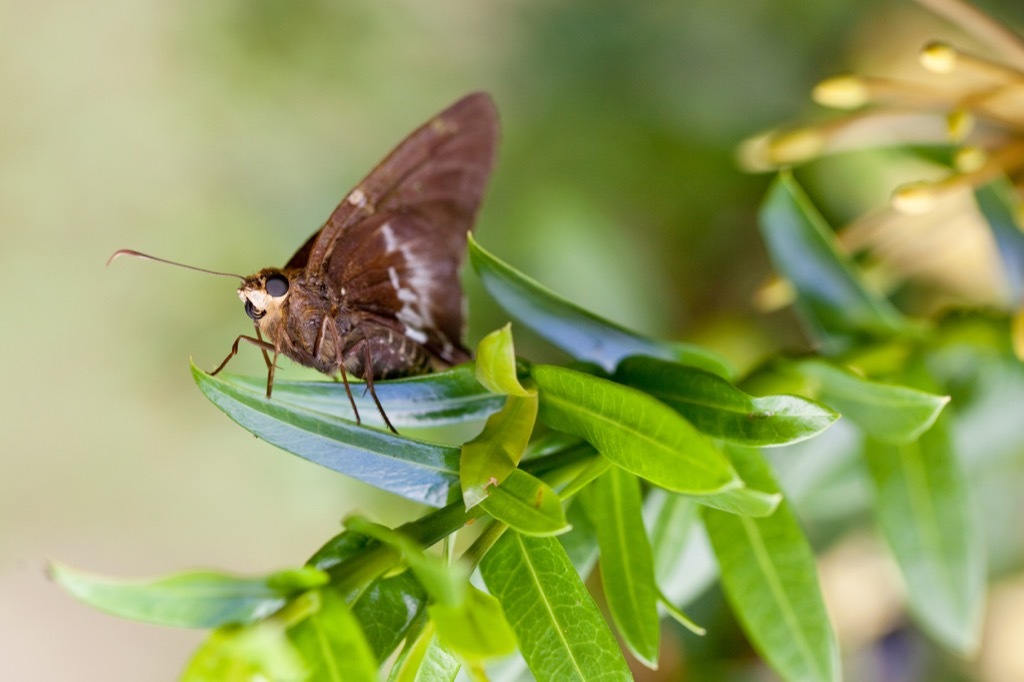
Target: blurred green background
(222, 133)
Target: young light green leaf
(496, 364)
(924, 513)
(446, 584)
(769, 577)
(527, 504)
(613, 505)
(476, 629)
(999, 202)
(387, 609)
(888, 412)
(330, 641)
(196, 599)
(440, 399)
(576, 331)
(420, 471)
(425, 660)
(721, 410)
(260, 651)
(633, 430)
(490, 457)
(830, 295)
(561, 633)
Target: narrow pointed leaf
(633, 430)
(678, 616)
(496, 363)
(197, 599)
(476, 629)
(425, 660)
(685, 576)
(527, 504)
(331, 642)
(576, 331)
(613, 505)
(885, 411)
(490, 457)
(669, 519)
(339, 548)
(387, 609)
(721, 410)
(420, 471)
(580, 544)
(769, 577)
(830, 294)
(1000, 204)
(923, 510)
(450, 397)
(446, 584)
(561, 633)
(744, 501)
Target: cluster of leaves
(639, 457)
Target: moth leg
(368, 377)
(271, 366)
(328, 327)
(266, 358)
(259, 343)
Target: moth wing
(439, 172)
(395, 268)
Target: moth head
(264, 294)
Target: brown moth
(375, 292)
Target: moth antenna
(146, 256)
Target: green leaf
(260, 651)
(450, 397)
(496, 364)
(196, 599)
(721, 410)
(425, 660)
(923, 510)
(769, 577)
(613, 505)
(387, 609)
(342, 546)
(887, 412)
(490, 457)
(561, 633)
(999, 202)
(684, 565)
(633, 430)
(744, 501)
(576, 331)
(830, 294)
(446, 584)
(678, 616)
(580, 544)
(476, 629)
(419, 471)
(527, 504)
(331, 642)
(669, 519)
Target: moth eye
(251, 311)
(277, 285)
